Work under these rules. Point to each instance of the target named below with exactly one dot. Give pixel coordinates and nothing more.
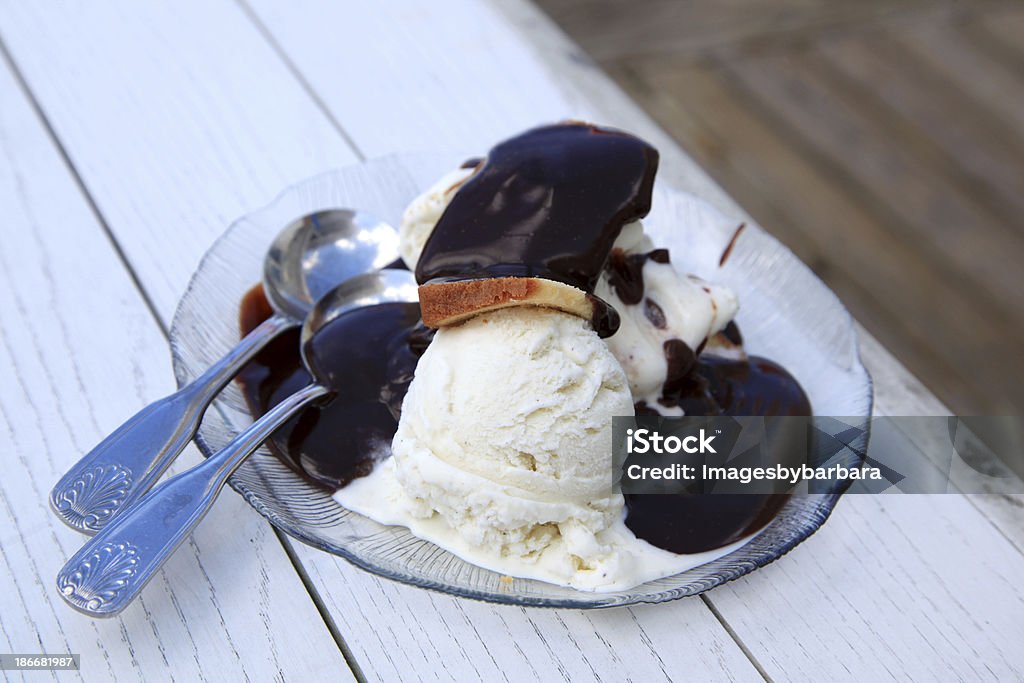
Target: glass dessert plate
(786, 314)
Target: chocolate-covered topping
(721, 386)
(703, 385)
(603, 318)
(687, 523)
(753, 386)
(548, 203)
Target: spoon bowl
(316, 252)
(390, 285)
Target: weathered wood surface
(64, 291)
(177, 121)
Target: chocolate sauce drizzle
(626, 273)
(369, 355)
(693, 523)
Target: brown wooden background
(882, 140)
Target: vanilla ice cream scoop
(503, 454)
(523, 397)
(505, 436)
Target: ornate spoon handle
(113, 567)
(126, 464)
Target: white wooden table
(132, 133)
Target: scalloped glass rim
(787, 314)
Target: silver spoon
(309, 257)
(113, 567)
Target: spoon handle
(113, 567)
(126, 464)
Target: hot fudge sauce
(368, 355)
(693, 523)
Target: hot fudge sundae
(484, 423)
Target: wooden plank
(612, 31)
(973, 141)
(894, 588)
(402, 633)
(79, 352)
(900, 394)
(411, 107)
(896, 393)
(151, 50)
(905, 300)
(840, 125)
(1003, 30)
(195, 119)
(954, 51)
(428, 96)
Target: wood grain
(230, 599)
(429, 95)
(1002, 32)
(226, 152)
(179, 118)
(941, 221)
(612, 31)
(402, 633)
(895, 588)
(984, 158)
(958, 53)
